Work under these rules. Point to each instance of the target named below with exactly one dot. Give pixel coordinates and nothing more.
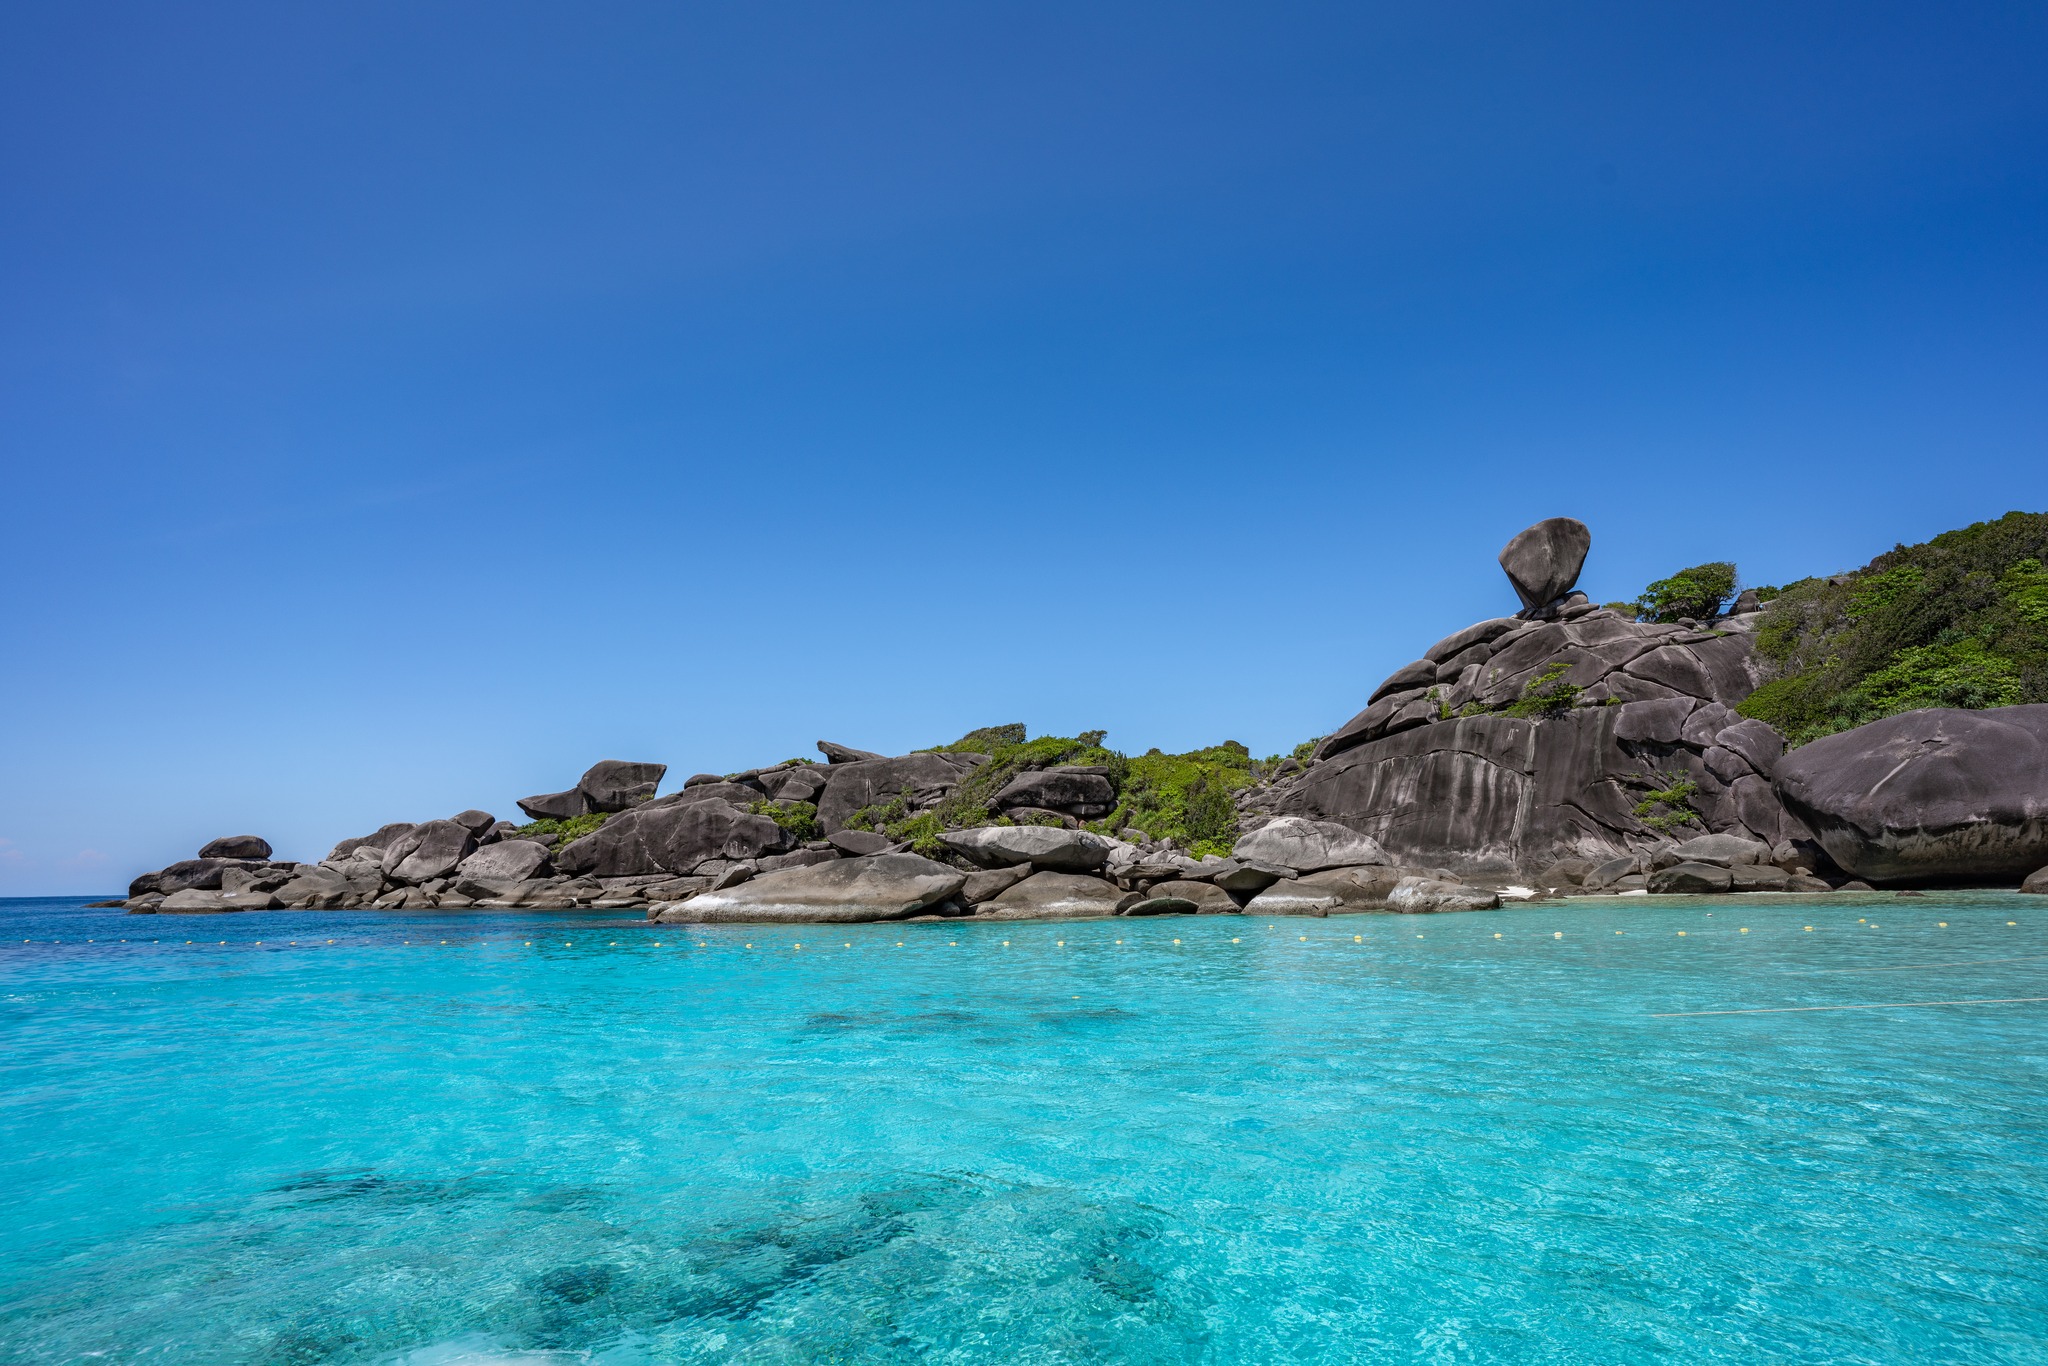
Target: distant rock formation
(1564, 748)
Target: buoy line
(1889, 1005)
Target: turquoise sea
(548, 1138)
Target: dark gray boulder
(1407, 678)
(1430, 896)
(796, 783)
(478, 823)
(846, 754)
(1543, 562)
(1335, 891)
(990, 883)
(2036, 882)
(1722, 850)
(853, 784)
(237, 846)
(1938, 795)
(1161, 905)
(376, 839)
(1058, 896)
(1308, 846)
(671, 839)
(619, 784)
(506, 861)
(739, 794)
(556, 806)
(1691, 879)
(1082, 791)
(1043, 847)
(192, 874)
(1205, 897)
(144, 884)
(1479, 633)
(313, 887)
(845, 891)
(430, 851)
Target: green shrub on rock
(1960, 621)
(1699, 593)
(574, 828)
(1546, 694)
(800, 819)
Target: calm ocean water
(575, 1138)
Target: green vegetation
(1961, 621)
(800, 819)
(1189, 798)
(1699, 593)
(1546, 694)
(1665, 808)
(575, 828)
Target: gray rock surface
(1932, 795)
(885, 887)
(1309, 846)
(1205, 897)
(1543, 562)
(1044, 847)
(1058, 896)
(1428, 895)
(1074, 790)
(200, 874)
(845, 754)
(506, 861)
(237, 846)
(376, 839)
(1332, 891)
(478, 823)
(1161, 905)
(860, 843)
(1691, 879)
(620, 784)
(990, 883)
(2036, 882)
(427, 852)
(851, 784)
(556, 806)
(1723, 850)
(671, 839)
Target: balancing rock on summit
(1543, 562)
(237, 846)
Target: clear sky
(404, 405)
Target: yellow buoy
(1745, 929)
(1557, 934)
(1236, 941)
(1176, 941)
(1681, 934)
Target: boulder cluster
(1566, 749)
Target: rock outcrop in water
(1566, 747)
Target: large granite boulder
(1083, 791)
(851, 784)
(506, 861)
(201, 874)
(1543, 562)
(885, 887)
(430, 851)
(1058, 896)
(1938, 795)
(1206, 897)
(606, 786)
(1308, 846)
(1334, 891)
(846, 754)
(1428, 895)
(196, 901)
(1042, 846)
(376, 839)
(794, 782)
(556, 806)
(237, 846)
(671, 839)
(620, 784)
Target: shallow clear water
(1214, 1141)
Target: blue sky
(403, 406)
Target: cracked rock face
(1440, 775)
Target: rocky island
(1887, 727)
